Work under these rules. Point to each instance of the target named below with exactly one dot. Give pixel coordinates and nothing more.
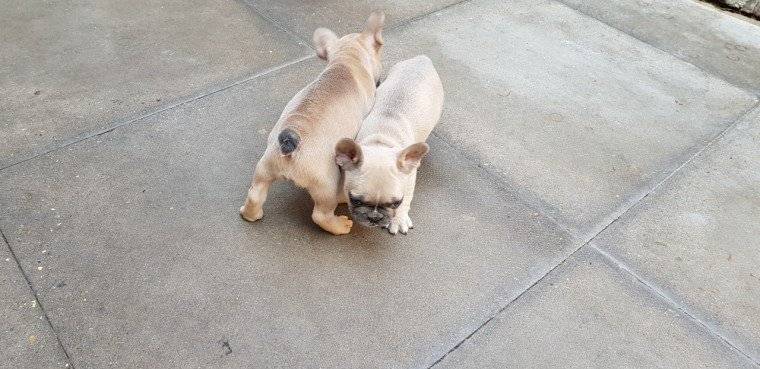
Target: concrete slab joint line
(61, 80)
(421, 16)
(159, 110)
(49, 323)
(659, 293)
(716, 74)
(498, 179)
(251, 5)
(587, 243)
(301, 23)
(501, 310)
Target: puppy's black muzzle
(372, 214)
(371, 217)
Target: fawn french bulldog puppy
(300, 146)
(380, 166)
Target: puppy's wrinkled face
(375, 188)
(376, 179)
(372, 214)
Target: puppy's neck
(354, 58)
(377, 139)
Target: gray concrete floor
(592, 198)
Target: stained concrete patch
(142, 224)
(303, 17)
(26, 340)
(581, 118)
(587, 314)
(697, 237)
(714, 40)
(71, 67)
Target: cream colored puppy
(380, 166)
(300, 146)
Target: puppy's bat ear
(348, 154)
(324, 42)
(410, 157)
(374, 27)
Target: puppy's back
(325, 107)
(412, 94)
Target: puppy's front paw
(400, 223)
(341, 225)
(251, 213)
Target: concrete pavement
(591, 198)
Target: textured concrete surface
(72, 67)
(281, 292)
(718, 42)
(698, 237)
(556, 102)
(26, 340)
(301, 18)
(589, 314)
(558, 124)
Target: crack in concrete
(69, 362)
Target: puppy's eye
(396, 203)
(355, 201)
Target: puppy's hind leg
(401, 221)
(252, 209)
(325, 202)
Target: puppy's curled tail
(288, 140)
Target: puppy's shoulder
(333, 83)
(336, 78)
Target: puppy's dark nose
(375, 216)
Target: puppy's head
(376, 178)
(365, 46)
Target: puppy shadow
(288, 208)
